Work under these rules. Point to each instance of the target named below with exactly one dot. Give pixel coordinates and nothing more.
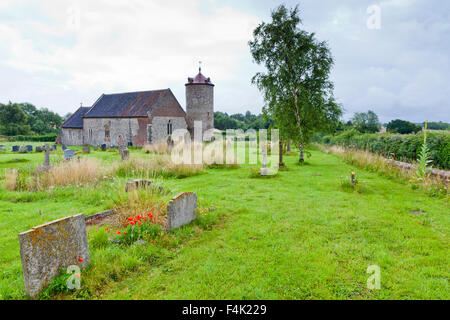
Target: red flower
(80, 260)
(140, 223)
(130, 218)
(132, 223)
(106, 229)
(125, 233)
(118, 232)
(128, 223)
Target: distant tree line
(25, 119)
(223, 121)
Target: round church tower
(200, 102)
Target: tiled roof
(131, 104)
(199, 79)
(76, 119)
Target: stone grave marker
(69, 154)
(30, 148)
(15, 148)
(64, 147)
(23, 149)
(103, 146)
(125, 155)
(55, 147)
(38, 149)
(181, 210)
(137, 184)
(86, 149)
(2, 147)
(95, 148)
(264, 171)
(49, 247)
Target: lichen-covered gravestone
(181, 210)
(45, 249)
(125, 154)
(69, 154)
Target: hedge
(43, 138)
(402, 147)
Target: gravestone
(55, 147)
(23, 149)
(47, 149)
(69, 154)
(2, 147)
(47, 248)
(39, 149)
(137, 184)
(86, 149)
(15, 148)
(30, 148)
(64, 147)
(125, 155)
(181, 210)
(264, 171)
(95, 148)
(103, 146)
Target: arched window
(169, 127)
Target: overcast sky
(59, 53)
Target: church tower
(200, 102)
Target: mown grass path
(299, 235)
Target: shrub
(396, 146)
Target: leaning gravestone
(45, 249)
(125, 154)
(69, 154)
(181, 210)
(15, 148)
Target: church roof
(135, 104)
(76, 120)
(199, 79)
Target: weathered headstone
(137, 184)
(264, 171)
(47, 248)
(15, 148)
(30, 148)
(39, 149)
(103, 146)
(181, 210)
(47, 149)
(95, 148)
(64, 147)
(2, 147)
(125, 154)
(86, 149)
(55, 147)
(69, 154)
(23, 149)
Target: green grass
(302, 234)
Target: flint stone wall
(49, 247)
(181, 210)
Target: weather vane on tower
(199, 67)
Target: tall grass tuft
(11, 177)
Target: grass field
(302, 234)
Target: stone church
(139, 118)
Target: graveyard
(299, 234)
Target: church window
(169, 127)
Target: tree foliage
(25, 119)
(402, 126)
(366, 122)
(296, 85)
